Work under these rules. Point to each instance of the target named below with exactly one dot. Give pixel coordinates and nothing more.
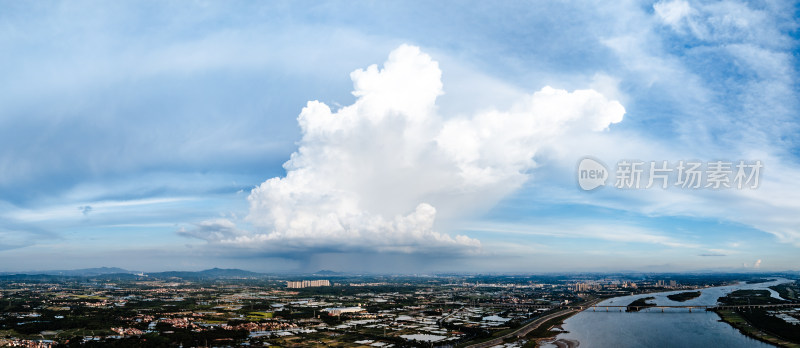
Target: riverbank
(560, 343)
(735, 320)
(539, 327)
(525, 330)
(543, 333)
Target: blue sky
(158, 135)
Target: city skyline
(397, 137)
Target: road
(521, 332)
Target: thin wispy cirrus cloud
(169, 135)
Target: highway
(521, 332)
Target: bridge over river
(608, 308)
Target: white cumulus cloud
(389, 173)
(672, 12)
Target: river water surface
(652, 328)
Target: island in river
(684, 296)
(638, 304)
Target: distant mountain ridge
(83, 272)
(116, 272)
(209, 273)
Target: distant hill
(119, 273)
(83, 272)
(101, 272)
(30, 277)
(209, 273)
(327, 272)
(229, 272)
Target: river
(652, 328)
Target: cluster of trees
(771, 324)
(684, 296)
(178, 337)
(745, 297)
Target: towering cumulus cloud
(387, 173)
